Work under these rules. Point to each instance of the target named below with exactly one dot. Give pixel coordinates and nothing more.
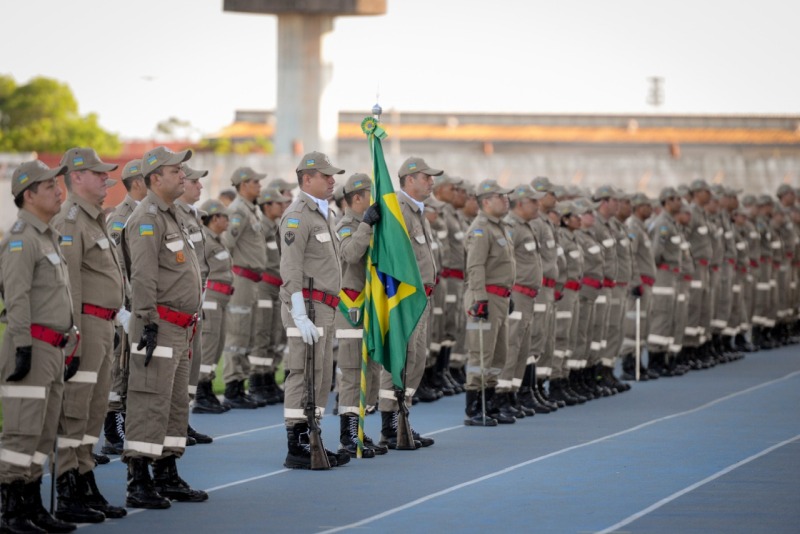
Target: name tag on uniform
(574, 254)
(685, 246)
(222, 255)
(594, 249)
(608, 243)
(323, 237)
(502, 242)
(530, 245)
(434, 245)
(753, 235)
(420, 239)
(702, 230)
(728, 234)
(560, 251)
(272, 245)
(624, 242)
(647, 243)
(196, 237)
(102, 243)
(54, 258)
(676, 239)
(175, 246)
(441, 234)
(459, 235)
(550, 243)
(740, 245)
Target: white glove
(124, 318)
(308, 331)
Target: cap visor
(103, 167)
(179, 157)
(52, 173)
(110, 182)
(432, 172)
(330, 171)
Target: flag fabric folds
(394, 295)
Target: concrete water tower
(306, 117)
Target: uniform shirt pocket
(174, 246)
(323, 237)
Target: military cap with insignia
(414, 165)
(542, 184)
(85, 159)
(213, 207)
(272, 194)
(193, 174)
(667, 193)
(526, 191)
(245, 174)
(317, 161)
(281, 184)
(491, 187)
(132, 170)
(699, 185)
(784, 189)
(639, 199)
(161, 156)
(446, 179)
(31, 172)
(357, 182)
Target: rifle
(319, 458)
(405, 437)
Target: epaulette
(152, 209)
(18, 227)
(72, 214)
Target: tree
(42, 116)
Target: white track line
(677, 494)
(501, 472)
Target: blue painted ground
(582, 469)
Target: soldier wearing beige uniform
(309, 249)
(34, 287)
(114, 424)
(416, 183)
(167, 294)
(491, 271)
(248, 247)
(219, 288)
(524, 206)
(354, 232)
(96, 284)
(268, 329)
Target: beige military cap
(31, 172)
(357, 182)
(85, 159)
(446, 179)
(699, 185)
(668, 192)
(162, 156)
(132, 170)
(491, 187)
(281, 184)
(192, 174)
(245, 174)
(414, 165)
(526, 191)
(542, 184)
(213, 207)
(272, 194)
(319, 162)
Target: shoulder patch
(72, 214)
(632, 235)
(477, 232)
(664, 230)
(288, 237)
(18, 227)
(236, 221)
(292, 223)
(15, 246)
(345, 231)
(145, 229)
(117, 226)
(117, 237)
(65, 240)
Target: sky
(139, 62)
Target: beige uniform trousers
(212, 332)
(158, 407)
(349, 363)
(415, 366)
(696, 327)
(567, 315)
(295, 394)
(495, 346)
(586, 311)
(599, 327)
(260, 357)
(520, 324)
(240, 329)
(618, 302)
(453, 310)
(119, 374)
(86, 397)
(31, 409)
(662, 317)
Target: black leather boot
(235, 400)
(517, 403)
(95, 500)
(141, 492)
(198, 437)
(36, 512)
(71, 505)
(558, 392)
(205, 401)
(348, 437)
(389, 430)
(474, 411)
(257, 390)
(113, 433)
(493, 402)
(169, 484)
(16, 514)
(272, 392)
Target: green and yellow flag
(394, 295)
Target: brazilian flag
(394, 294)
